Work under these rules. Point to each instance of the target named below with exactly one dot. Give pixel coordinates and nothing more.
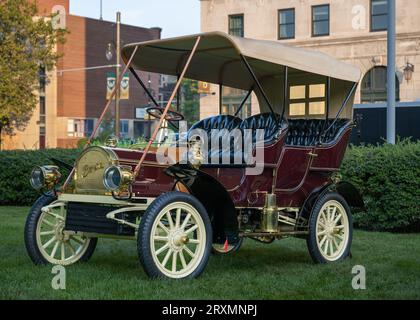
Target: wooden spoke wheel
(47, 241)
(175, 237)
(330, 229)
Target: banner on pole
(204, 87)
(111, 80)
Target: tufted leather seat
(266, 121)
(218, 128)
(218, 122)
(303, 132)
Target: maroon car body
(179, 210)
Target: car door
(293, 167)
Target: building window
(124, 127)
(42, 110)
(232, 109)
(42, 81)
(79, 128)
(42, 107)
(378, 15)
(286, 24)
(320, 20)
(236, 25)
(231, 101)
(374, 85)
(307, 100)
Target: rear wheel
(174, 239)
(45, 239)
(330, 229)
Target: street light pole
(391, 73)
(117, 76)
(100, 16)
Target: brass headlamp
(45, 177)
(118, 178)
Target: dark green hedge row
(16, 167)
(388, 177)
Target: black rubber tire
(145, 228)
(235, 249)
(30, 233)
(311, 242)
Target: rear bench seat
(306, 132)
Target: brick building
(73, 98)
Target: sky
(175, 17)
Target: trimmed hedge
(388, 177)
(16, 168)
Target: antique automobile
(182, 210)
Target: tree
(190, 106)
(27, 44)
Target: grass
(282, 270)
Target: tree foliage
(27, 43)
(190, 106)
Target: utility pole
(391, 73)
(101, 17)
(117, 75)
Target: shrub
(388, 177)
(16, 167)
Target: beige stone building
(350, 30)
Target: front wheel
(330, 229)
(45, 238)
(174, 238)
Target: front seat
(268, 122)
(219, 128)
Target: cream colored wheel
(55, 245)
(175, 237)
(177, 240)
(330, 229)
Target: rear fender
(347, 190)
(351, 194)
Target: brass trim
(111, 159)
(146, 163)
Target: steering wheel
(156, 112)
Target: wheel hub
(330, 229)
(59, 233)
(178, 239)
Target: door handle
(311, 154)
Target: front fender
(214, 198)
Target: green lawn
(282, 270)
